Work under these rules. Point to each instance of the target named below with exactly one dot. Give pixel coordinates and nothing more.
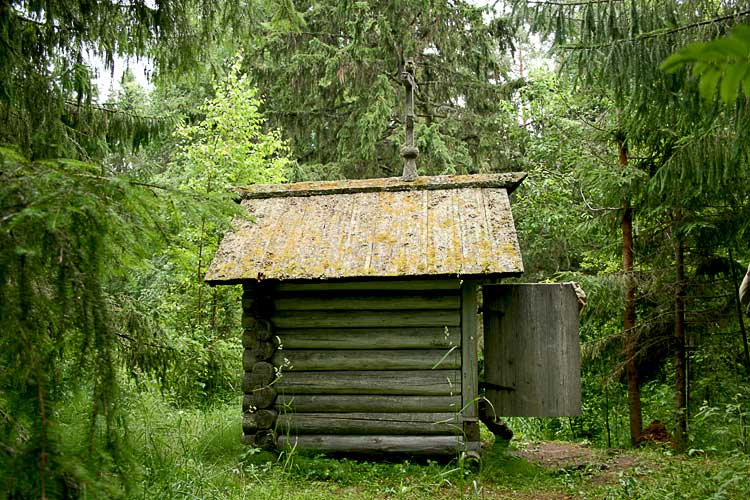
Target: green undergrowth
(197, 454)
(726, 476)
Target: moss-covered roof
(374, 228)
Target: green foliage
(66, 235)
(723, 62)
(101, 271)
(73, 233)
(333, 85)
(47, 100)
(722, 478)
(182, 452)
(229, 145)
(616, 48)
(679, 156)
(82, 301)
(79, 296)
(727, 425)
(549, 207)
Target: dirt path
(603, 465)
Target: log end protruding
(260, 345)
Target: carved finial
(409, 150)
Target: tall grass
(175, 453)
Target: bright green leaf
(708, 82)
(746, 84)
(742, 34)
(674, 62)
(722, 48)
(730, 83)
(700, 68)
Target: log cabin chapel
(360, 315)
(361, 319)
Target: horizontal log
(261, 419)
(375, 444)
(250, 382)
(315, 403)
(369, 423)
(263, 397)
(349, 301)
(415, 382)
(370, 285)
(264, 349)
(435, 337)
(260, 352)
(262, 374)
(260, 329)
(249, 359)
(260, 307)
(365, 319)
(336, 360)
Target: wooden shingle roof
(459, 226)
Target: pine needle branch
(659, 32)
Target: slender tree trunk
(740, 317)
(199, 273)
(606, 417)
(200, 256)
(43, 436)
(214, 306)
(631, 339)
(680, 375)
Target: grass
(197, 454)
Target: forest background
(119, 368)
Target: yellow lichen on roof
(458, 231)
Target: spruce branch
(660, 32)
(571, 4)
(74, 106)
(147, 344)
(309, 33)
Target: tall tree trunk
(631, 339)
(680, 372)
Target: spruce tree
(74, 228)
(332, 83)
(681, 152)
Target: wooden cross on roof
(409, 150)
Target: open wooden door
(531, 350)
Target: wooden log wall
(364, 366)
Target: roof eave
(472, 276)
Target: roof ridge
(508, 181)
